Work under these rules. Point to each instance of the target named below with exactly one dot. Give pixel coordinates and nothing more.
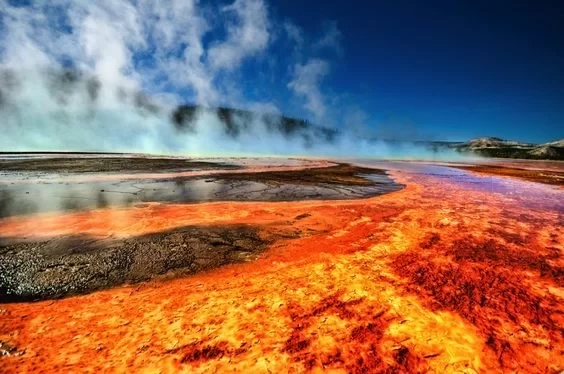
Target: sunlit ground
(455, 273)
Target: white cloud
(295, 34)
(310, 69)
(176, 29)
(248, 34)
(306, 82)
(169, 49)
(104, 37)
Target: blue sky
(451, 69)
(412, 70)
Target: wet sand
(457, 272)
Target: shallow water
(531, 195)
(50, 196)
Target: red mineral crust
(436, 277)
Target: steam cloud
(109, 75)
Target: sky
(449, 69)
(406, 70)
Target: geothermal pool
(46, 184)
(409, 267)
(38, 268)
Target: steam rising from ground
(108, 76)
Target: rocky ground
(71, 265)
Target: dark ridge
(8, 83)
(238, 121)
(66, 82)
(552, 153)
(2, 98)
(93, 86)
(62, 84)
(493, 147)
(184, 118)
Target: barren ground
(450, 274)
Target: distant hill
(238, 121)
(496, 147)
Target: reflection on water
(27, 198)
(24, 197)
(529, 194)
